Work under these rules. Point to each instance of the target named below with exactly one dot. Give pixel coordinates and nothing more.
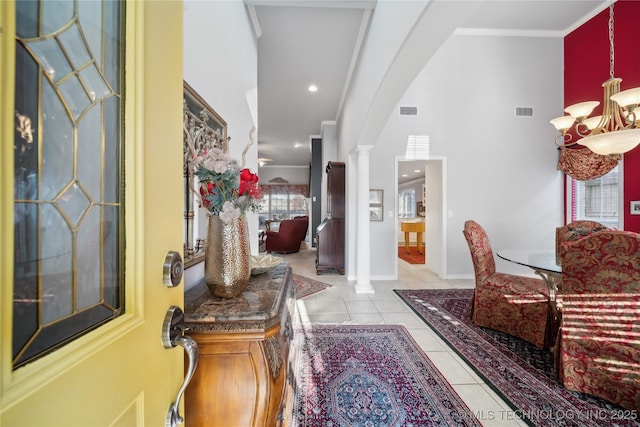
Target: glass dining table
(543, 263)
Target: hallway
(340, 304)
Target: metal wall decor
(204, 128)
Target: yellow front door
(120, 215)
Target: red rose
(205, 191)
(248, 183)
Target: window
(282, 206)
(596, 199)
(417, 147)
(407, 203)
(68, 207)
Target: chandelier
(616, 130)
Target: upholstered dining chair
(574, 231)
(598, 346)
(516, 305)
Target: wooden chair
(513, 304)
(598, 348)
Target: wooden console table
(409, 227)
(243, 370)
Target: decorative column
(363, 230)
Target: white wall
(220, 63)
(329, 154)
(298, 175)
(402, 37)
(500, 169)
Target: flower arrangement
(226, 189)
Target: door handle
(172, 336)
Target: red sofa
(289, 236)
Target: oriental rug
(519, 372)
(413, 257)
(306, 286)
(369, 375)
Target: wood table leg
(406, 242)
(419, 239)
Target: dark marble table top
(255, 309)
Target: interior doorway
(424, 180)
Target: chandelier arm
(565, 140)
(582, 130)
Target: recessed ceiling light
(404, 175)
(313, 88)
(263, 161)
(417, 171)
(298, 145)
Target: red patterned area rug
(306, 286)
(518, 371)
(413, 257)
(369, 375)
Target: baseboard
(458, 277)
(383, 277)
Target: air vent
(524, 111)
(408, 111)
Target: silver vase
(227, 261)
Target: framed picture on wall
(635, 207)
(375, 213)
(375, 197)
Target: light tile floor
(340, 304)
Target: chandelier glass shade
(613, 132)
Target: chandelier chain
(611, 49)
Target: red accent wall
(586, 67)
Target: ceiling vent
(524, 111)
(408, 111)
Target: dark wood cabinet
(330, 233)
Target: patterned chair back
(516, 305)
(573, 231)
(603, 262)
(484, 264)
(599, 346)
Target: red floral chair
(574, 231)
(598, 348)
(289, 236)
(513, 304)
